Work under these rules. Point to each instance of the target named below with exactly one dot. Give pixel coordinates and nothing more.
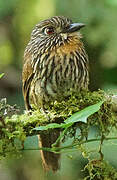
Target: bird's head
(54, 32)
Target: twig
(57, 149)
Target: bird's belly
(61, 88)
(57, 78)
(55, 86)
(41, 93)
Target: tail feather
(50, 160)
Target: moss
(15, 126)
(75, 102)
(100, 170)
(19, 126)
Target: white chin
(64, 36)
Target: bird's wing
(27, 76)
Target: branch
(14, 126)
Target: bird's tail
(50, 160)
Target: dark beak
(74, 27)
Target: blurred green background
(18, 17)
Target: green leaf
(80, 116)
(50, 126)
(1, 75)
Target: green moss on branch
(18, 126)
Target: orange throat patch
(74, 44)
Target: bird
(55, 62)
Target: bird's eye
(49, 30)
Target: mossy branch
(14, 125)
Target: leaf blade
(84, 114)
(1, 75)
